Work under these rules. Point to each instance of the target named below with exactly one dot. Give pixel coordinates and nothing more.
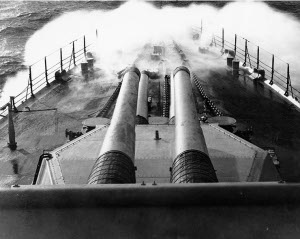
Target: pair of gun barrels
(115, 164)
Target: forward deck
(274, 122)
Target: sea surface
(20, 19)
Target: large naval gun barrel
(172, 102)
(192, 163)
(142, 103)
(116, 159)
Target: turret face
(192, 163)
(116, 160)
(142, 104)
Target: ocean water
(19, 20)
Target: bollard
(261, 72)
(229, 61)
(58, 76)
(90, 59)
(90, 62)
(230, 52)
(235, 67)
(84, 68)
(89, 55)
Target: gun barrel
(172, 101)
(192, 163)
(142, 103)
(116, 159)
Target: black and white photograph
(149, 119)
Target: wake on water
(127, 28)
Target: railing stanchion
(49, 73)
(257, 63)
(73, 52)
(272, 73)
(12, 103)
(61, 60)
(201, 26)
(46, 72)
(84, 46)
(287, 80)
(30, 81)
(235, 44)
(27, 89)
(246, 50)
(222, 39)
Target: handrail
(46, 156)
(279, 73)
(48, 65)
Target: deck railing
(277, 71)
(42, 72)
